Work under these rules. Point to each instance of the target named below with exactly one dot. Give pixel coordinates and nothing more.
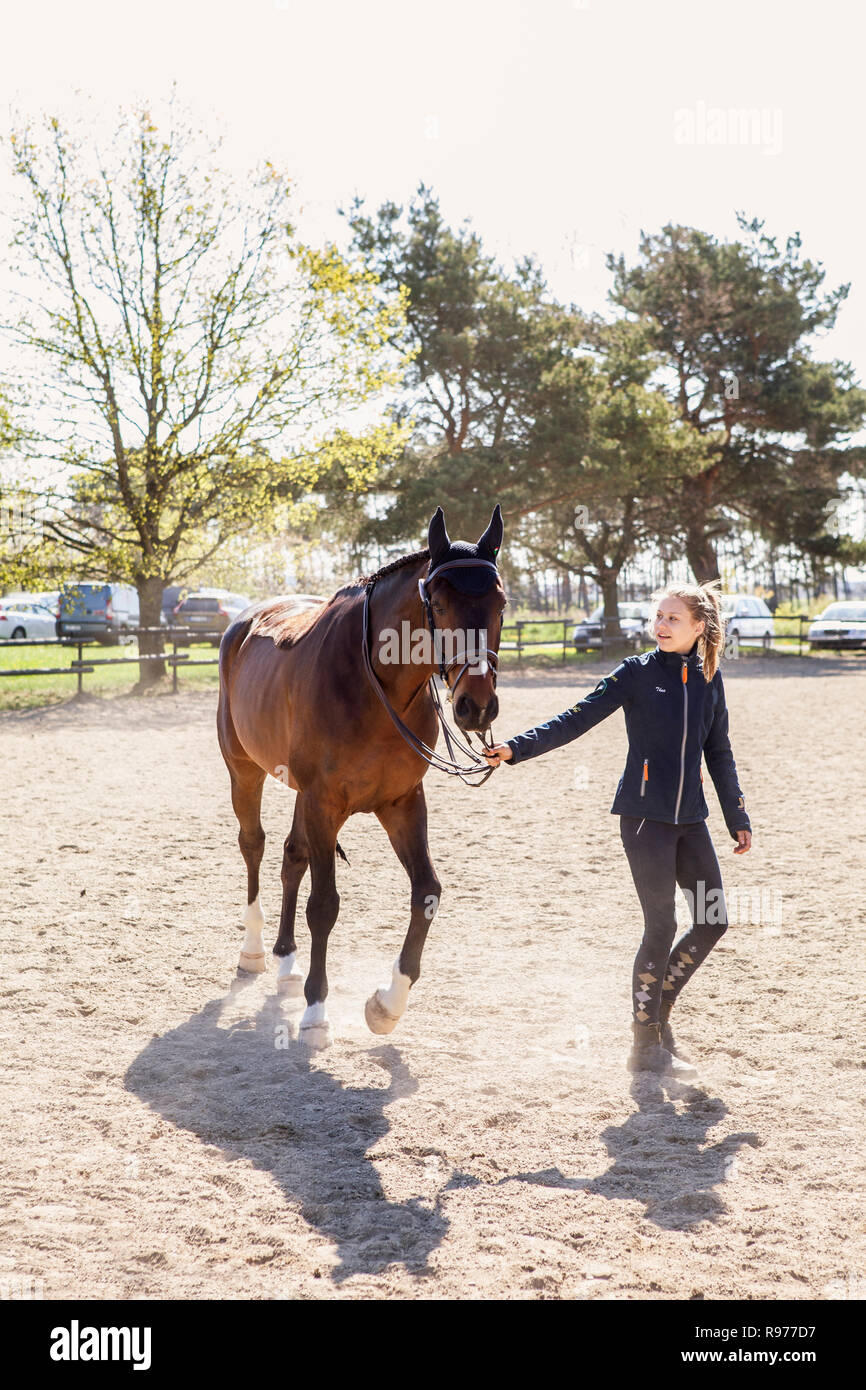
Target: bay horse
(298, 700)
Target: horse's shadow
(660, 1157)
(250, 1088)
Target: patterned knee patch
(678, 970)
(645, 991)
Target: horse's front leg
(296, 858)
(323, 904)
(405, 820)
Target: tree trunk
(698, 501)
(566, 591)
(701, 555)
(150, 612)
(612, 631)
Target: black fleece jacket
(672, 716)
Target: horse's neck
(396, 602)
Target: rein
(433, 759)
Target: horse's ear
(492, 538)
(438, 540)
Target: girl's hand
(745, 840)
(499, 753)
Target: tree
(479, 339)
(732, 322)
(516, 397)
(620, 457)
(20, 518)
(200, 366)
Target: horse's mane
(286, 625)
(363, 580)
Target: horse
(351, 725)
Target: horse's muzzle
(473, 718)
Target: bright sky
(559, 127)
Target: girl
(674, 704)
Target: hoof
(377, 1016)
(290, 986)
(252, 964)
(316, 1035)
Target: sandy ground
(167, 1136)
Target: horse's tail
(341, 852)
(232, 639)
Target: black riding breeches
(661, 856)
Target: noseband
(436, 760)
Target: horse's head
(466, 603)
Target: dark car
(208, 612)
(634, 620)
(105, 613)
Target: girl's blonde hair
(704, 603)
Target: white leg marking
(290, 981)
(253, 950)
(385, 1006)
(315, 1029)
(395, 998)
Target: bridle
(436, 760)
(428, 609)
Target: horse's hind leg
(405, 821)
(290, 981)
(247, 781)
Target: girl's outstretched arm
(609, 695)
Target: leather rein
(436, 760)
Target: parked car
(747, 618)
(98, 612)
(26, 618)
(208, 612)
(840, 625)
(634, 619)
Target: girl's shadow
(250, 1088)
(660, 1157)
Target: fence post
(519, 653)
(174, 666)
(80, 672)
(564, 637)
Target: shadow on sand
(661, 1157)
(250, 1088)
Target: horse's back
(285, 619)
(266, 653)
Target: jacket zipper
(645, 778)
(685, 674)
